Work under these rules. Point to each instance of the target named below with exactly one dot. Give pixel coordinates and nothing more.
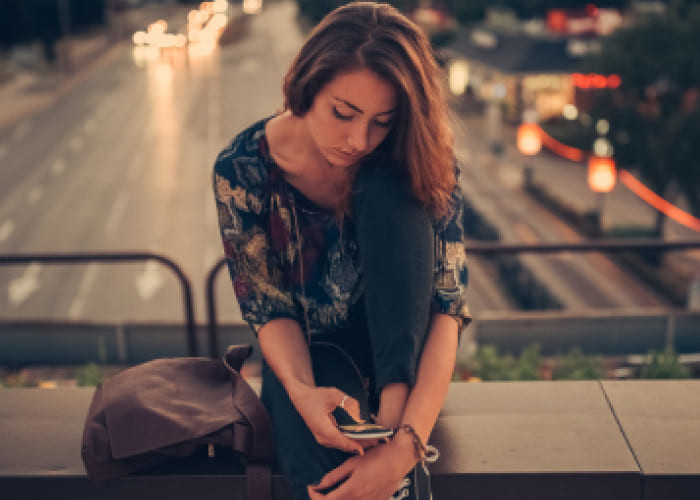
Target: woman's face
(351, 115)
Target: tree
(654, 115)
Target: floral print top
(288, 258)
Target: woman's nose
(357, 139)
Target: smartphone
(365, 431)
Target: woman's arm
(435, 370)
(377, 474)
(284, 348)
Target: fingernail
(313, 485)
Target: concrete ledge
(498, 440)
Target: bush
(664, 365)
(489, 365)
(89, 375)
(577, 366)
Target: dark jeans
(387, 329)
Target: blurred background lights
(602, 126)
(601, 174)
(602, 147)
(140, 38)
(252, 6)
(459, 76)
(529, 139)
(220, 6)
(157, 28)
(570, 112)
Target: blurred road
(123, 161)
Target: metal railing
(484, 249)
(120, 257)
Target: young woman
(341, 220)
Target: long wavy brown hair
(377, 37)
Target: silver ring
(342, 403)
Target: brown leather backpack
(155, 412)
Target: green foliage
(89, 375)
(15, 380)
(576, 366)
(490, 365)
(665, 365)
(630, 232)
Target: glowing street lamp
(529, 142)
(602, 175)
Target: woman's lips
(344, 154)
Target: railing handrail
(83, 257)
(600, 245)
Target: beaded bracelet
(425, 453)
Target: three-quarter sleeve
(240, 188)
(451, 272)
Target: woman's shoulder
(244, 162)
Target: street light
(529, 144)
(602, 175)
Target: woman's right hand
(315, 405)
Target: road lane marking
(21, 131)
(21, 288)
(35, 195)
(6, 230)
(76, 308)
(149, 281)
(58, 166)
(76, 144)
(116, 213)
(4, 148)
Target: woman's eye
(340, 116)
(383, 124)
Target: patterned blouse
(288, 258)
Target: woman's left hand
(375, 475)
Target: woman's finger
(336, 475)
(348, 403)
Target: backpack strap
(260, 454)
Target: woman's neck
(294, 151)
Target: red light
(591, 10)
(529, 139)
(598, 81)
(601, 174)
(580, 80)
(594, 81)
(556, 20)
